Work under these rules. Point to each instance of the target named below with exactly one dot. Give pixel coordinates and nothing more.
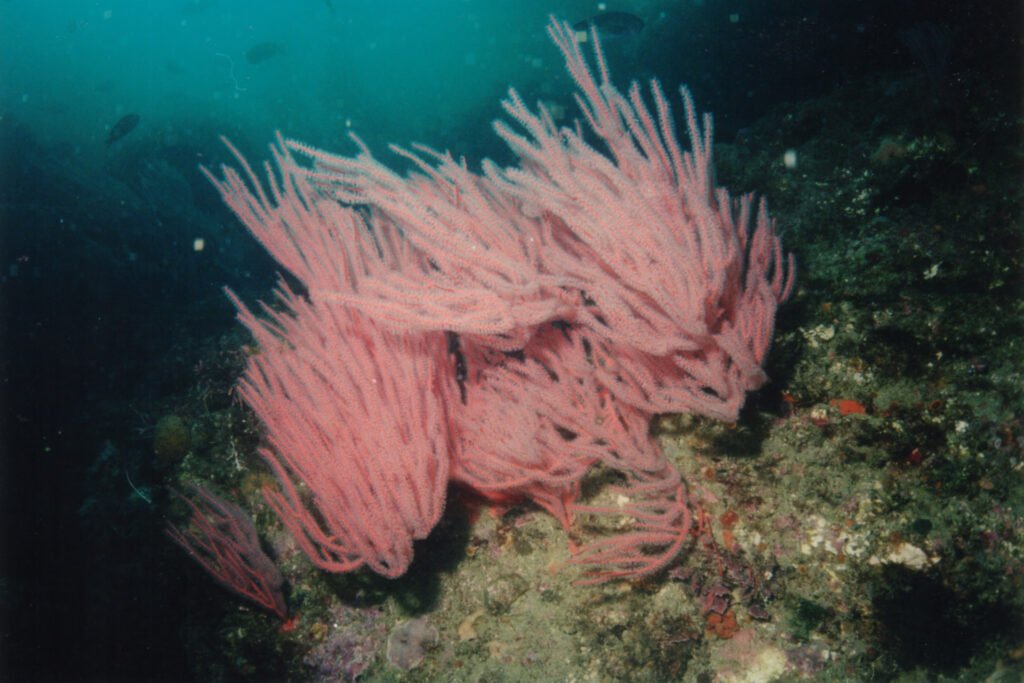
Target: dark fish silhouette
(126, 124)
(261, 52)
(612, 24)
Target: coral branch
(222, 538)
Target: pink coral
(587, 290)
(358, 414)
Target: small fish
(612, 24)
(261, 52)
(126, 124)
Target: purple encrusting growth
(355, 638)
(408, 642)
